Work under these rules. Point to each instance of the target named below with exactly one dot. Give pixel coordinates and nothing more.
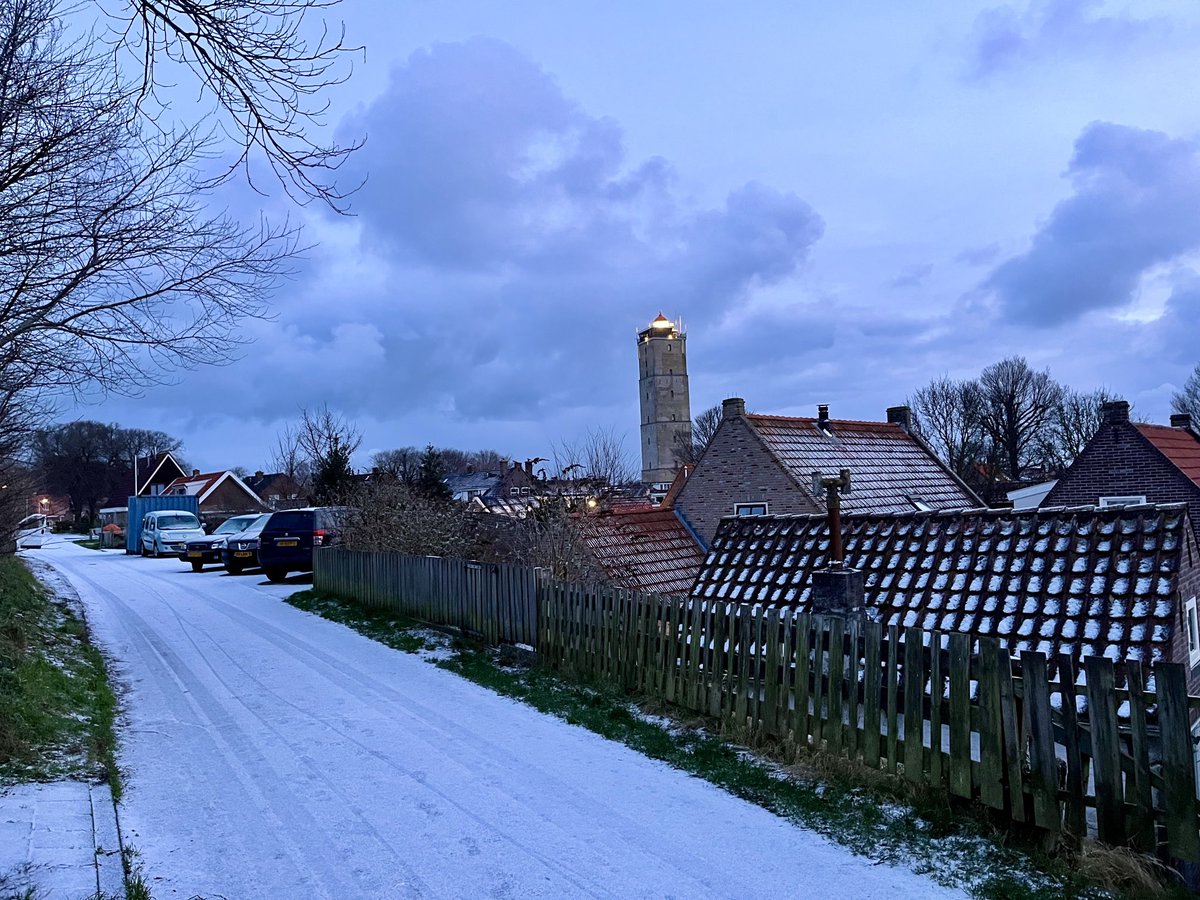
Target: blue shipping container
(139, 506)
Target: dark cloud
(1049, 29)
(913, 276)
(1136, 204)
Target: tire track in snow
(237, 749)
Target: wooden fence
(499, 603)
(1072, 754)
(942, 709)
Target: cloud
(913, 276)
(1050, 29)
(1135, 205)
(509, 246)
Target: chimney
(1114, 413)
(1181, 420)
(258, 473)
(529, 467)
(900, 415)
(822, 415)
(195, 472)
(733, 406)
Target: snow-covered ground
(270, 753)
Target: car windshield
(236, 524)
(181, 520)
(256, 526)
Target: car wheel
(233, 570)
(275, 574)
(197, 565)
(142, 550)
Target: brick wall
(1120, 461)
(1188, 586)
(227, 500)
(737, 468)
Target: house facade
(1120, 582)
(1134, 462)
(220, 494)
(763, 465)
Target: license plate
(242, 554)
(287, 543)
(196, 554)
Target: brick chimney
(258, 473)
(529, 467)
(822, 415)
(1181, 420)
(195, 472)
(1115, 412)
(900, 415)
(733, 406)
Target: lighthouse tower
(666, 412)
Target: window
(919, 504)
(1123, 500)
(1193, 631)
(750, 509)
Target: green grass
(871, 813)
(89, 543)
(57, 709)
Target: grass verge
(57, 710)
(89, 543)
(871, 813)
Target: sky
(839, 201)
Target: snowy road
(270, 753)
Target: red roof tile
(1178, 445)
(643, 549)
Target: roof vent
(823, 416)
(1115, 412)
(733, 406)
(1181, 420)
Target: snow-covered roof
(202, 485)
(1082, 581)
(891, 470)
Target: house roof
(891, 471)
(1178, 445)
(201, 486)
(677, 484)
(1081, 581)
(150, 470)
(472, 481)
(645, 549)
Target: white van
(167, 531)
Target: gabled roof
(1178, 445)
(150, 468)
(1081, 581)
(202, 486)
(677, 483)
(643, 548)
(891, 471)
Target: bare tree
(1073, 423)
(112, 266)
(1018, 407)
(1188, 399)
(402, 464)
(288, 458)
(948, 415)
(598, 458)
(263, 63)
(690, 447)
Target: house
(1118, 581)
(510, 483)
(642, 547)
(759, 464)
(154, 473)
(220, 494)
(278, 490)
(1134, 462)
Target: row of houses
(1107, 564)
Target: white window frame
(1122, 500)
(738, 507)
(1191, 625)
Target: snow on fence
(1048, 753)
(1107, 750)
(499, 603)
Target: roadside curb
(106, 835)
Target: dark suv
(287, 540)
